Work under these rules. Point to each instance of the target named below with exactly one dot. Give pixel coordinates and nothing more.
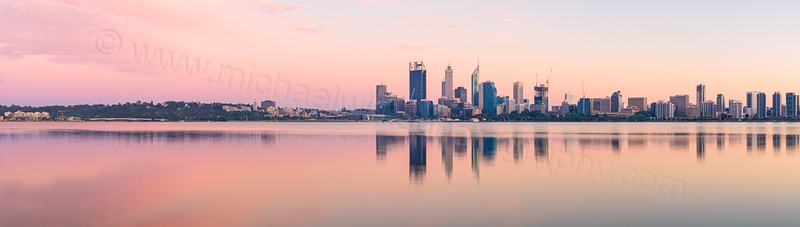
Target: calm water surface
(399, 174)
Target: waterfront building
(417, 75)
(489, 98)
(776, 105)
(791, 105)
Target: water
(399, 174)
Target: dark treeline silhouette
(169, 110)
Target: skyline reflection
(331, 174)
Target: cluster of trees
(170, 110)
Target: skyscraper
(489, 98)
(380, 94)
(585, 106)
(707, 108)
(540, 100)
(735, 108)
(605, 104)
(418, 78)
(701, 93)
(616, 103)
(791, 104)
(569, 97)
(448, 82)
(639, 102)
(761, 105)
(776, 105)
(664, 110)
(681, 104)
(444, 89)
(749, 99)
(518, 98)
(461, 94)
(720, 104)
(475, 77)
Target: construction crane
(583, 89)
(548, 77)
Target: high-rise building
(585, 106)
(616, 101)
(597, 105)
(425, 108)
(720, 104)
(267, 103)
(480, 97)
(701, 94)
(475, 77)
(749, 100)
(681, 104)
(761, 105)
(735, 108)
(638, 102)
(380, 94)
(444, 90)
(417, 80)
(448, 82)
(791, 105)
(605, 104)
(518, 98)
(489, 98)
(776, 105)
(540, 100)
(663, 109)
(707, 108)
(569, 97)
(461, 94)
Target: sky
(331, 54)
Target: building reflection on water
(486, 151)
(417, 156)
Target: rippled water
(399, 174)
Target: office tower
(761, 105)
(735, 108)
(489, 98)
(398, 104)
(749, 99)
(707, 108)
(605, 104)
(616, 103)
(776, 105)
(639, 102)
(681, 104)
(585, 106)
(701, 93)
(448, 82)
(418, 78)
(267, 103)
(597, 105)
(791, 105)
(380, 94)
(720, 104)
(417, 156)
(461, 94)
(475, 77)
(570, 98)
(444, 90)
(518, 98)
(540, 100)
(425, 108)
(663, 109)
(480, 97)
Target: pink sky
(329, 54)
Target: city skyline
(609, 46)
